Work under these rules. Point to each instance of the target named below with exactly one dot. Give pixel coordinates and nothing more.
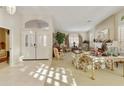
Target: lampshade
(11, 9)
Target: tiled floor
(81, 78)
(24, 74)
(59, 72)
(59, 76)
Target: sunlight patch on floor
(36, 75)
(56, 83)
(53, 76)
(49, 80)
(41, 78)
(59, 76)
(40, 73)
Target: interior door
(28, 44)
(43, 39)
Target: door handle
(34, 44)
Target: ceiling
(72, 18)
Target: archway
(38, 24)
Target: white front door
(36, 44)
(43, 39)
(28, 45)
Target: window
(44, 40)
(121, 38)
(73, 38)
(26, 40)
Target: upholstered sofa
(82, 61)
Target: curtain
(80, 40)
(67, 41)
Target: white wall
(13, 24)
(109, 24)
(91, 37)
(112, 23)
(84, 35)
(118, 22)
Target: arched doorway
(4, 45)
(36, 40)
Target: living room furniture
(120, 60)
(100, 62)
(58, 54)
(66, 49)
(108, 60)
(3, 55)
(81, 60)
(122, 63)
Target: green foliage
(122, 18)
(60, 37)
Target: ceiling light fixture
(11, 9)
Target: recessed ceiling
(72, 18)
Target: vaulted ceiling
(72, 18)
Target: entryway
(4, 45)
(36, 41)
(36, 44)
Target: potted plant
(122, 18)
(60, 37)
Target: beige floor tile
(58, 73)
